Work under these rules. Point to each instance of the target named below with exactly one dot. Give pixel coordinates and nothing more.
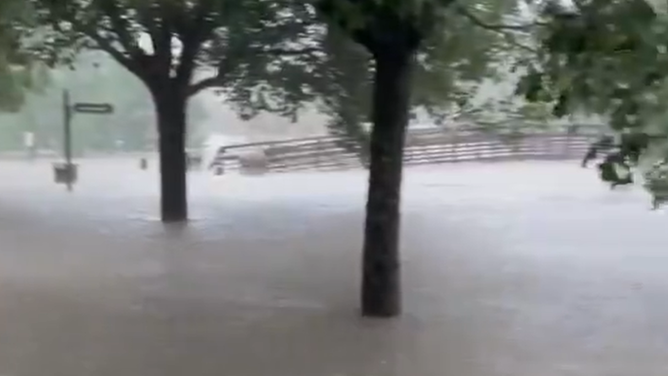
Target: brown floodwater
(523, 269)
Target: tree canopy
(608, 58)
(273, 56)
(18, 72)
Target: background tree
(96, 77)
(20, 75)
(17, 69)
(177, 36)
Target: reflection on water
(515, 269)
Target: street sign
(93, 108)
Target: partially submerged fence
(432, 146)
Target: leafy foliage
(275, 56)
(223, 41)
(608, 58)
(18, 72)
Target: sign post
(67, 172)
(29, 143)
(67, 142)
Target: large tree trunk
(381, 281)
(171, 114)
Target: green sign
(93, 108)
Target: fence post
(513, 140)
(431, 148)
(570, 131)
(318, 150)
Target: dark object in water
(608, 171)
(603, 144)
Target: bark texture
(171, 114)
(381, 281)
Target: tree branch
(223, 70)
(500, 28)
(510, 40)
(193, 33)
(147, 13)
(103, 44)
(115, 53)
(120, 25)
(494, 27)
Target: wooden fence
(329, 153)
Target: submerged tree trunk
(171, 114)
(381, 280)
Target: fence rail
(328, 153)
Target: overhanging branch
(193, 32)
(222, 71)
(115, 53)
(120, 25)
(495, 27)
(510, 40)
(503, 29)
(91, 29)
(105, 45)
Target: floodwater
(525, 269)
